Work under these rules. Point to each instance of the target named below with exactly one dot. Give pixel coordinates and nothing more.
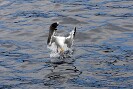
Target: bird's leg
(61, 50)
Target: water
(103, 47)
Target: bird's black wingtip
(74, 31)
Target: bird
(60, 41)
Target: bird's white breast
(60, 40)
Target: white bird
(60, 41)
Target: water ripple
(103, 46)
(35, 14)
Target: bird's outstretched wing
(69, 39)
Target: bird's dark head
(53, 26)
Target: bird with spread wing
(60, 41)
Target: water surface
(103, 47)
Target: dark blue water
(103, 47)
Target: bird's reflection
(62, 71)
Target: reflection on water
(103, 47)
(60, 74)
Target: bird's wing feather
(51, 38)
(66, 40)
(69, 39)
